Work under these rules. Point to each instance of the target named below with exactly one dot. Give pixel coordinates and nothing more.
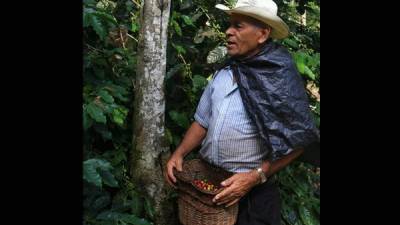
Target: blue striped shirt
(232, 142)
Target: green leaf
(290, 215)
(316, 119)
(101, 202)
(119, 156)
(106, 96)
(217, 54)
(301, 58)
(174, 70)
(292, 43)
(168, 135)
(106, 17)
(148, 208)
(187, 20)
(309, 73)
(108, 178)
(313, 60)
(137, 203)
(119, 114)
(87, 122)
(294, 218)
(179, 118)
(101, 163)
(118, 92)
(106, 5)
(122, 205)
(90, 173)
(177, 28)
(98, 27)
(122, 217)
(134, 220)
(199, 82)
(231, 3)
(86, 16)
(306, 216)
(103, 130)
(109, 215)
(92, 169)
(134, 27)
(99, 72)
(129, 6)
(300, 61)
(89, 2)
(301, 67)
(316, 208)
(179, 48)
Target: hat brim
(279, 28)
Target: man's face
(244, 36)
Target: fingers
(169, 180)
(232, 202)
(170, 171)
(227, 199)
(227, 182)
(169, 174)
(222, 195)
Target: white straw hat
(263, 10)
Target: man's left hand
(236, 187)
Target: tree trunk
(150, 150)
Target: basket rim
(186, 178)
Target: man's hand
(175, 161)
(192, 139)
(236, 187)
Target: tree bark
(150, 150)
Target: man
(253, 118)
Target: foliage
(195, 46)
(300, 187)
(110, 28)
(300, 182)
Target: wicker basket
(195, 205)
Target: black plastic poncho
(274, 96)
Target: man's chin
(232, 53)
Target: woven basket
(195, 204)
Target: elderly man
(253, 118)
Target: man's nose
(229, 31)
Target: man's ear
(264, 35)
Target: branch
(94, 49)
(132, 37)
(137, 4)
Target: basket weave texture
(195, 204)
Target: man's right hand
(192, 139)
(175, 161)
